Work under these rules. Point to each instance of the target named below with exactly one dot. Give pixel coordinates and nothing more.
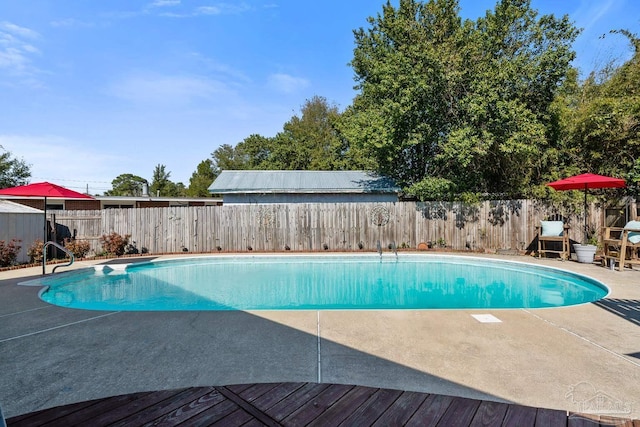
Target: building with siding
(267, 186)
(22, 223)
(109, 202)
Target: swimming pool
(304, 282)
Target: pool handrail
(62, 248)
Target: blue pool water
(320, 282)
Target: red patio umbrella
(584, 182)
(43, 189)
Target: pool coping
(534, 357)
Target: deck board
(339, 411)
(148, 413)
(248, 407)
(235, 418)
(292, 404)
(460, 412)
(295, 400)
(431, 410)
(489, 414)
(402, 409)
(219, 412)
(313, 408)
(256, 391)
(182, 410)
(101, 406)
(48, 416)
(276, 395)
(371, 410)
(550, 418)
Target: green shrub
(114, 243)
(432, 188)
(9, 252)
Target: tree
(312, 141)
(201, 179)
(161, 184)
(126, 185)
(406, 68)
(160, 180)
(177, 189)
(456, 106)
(602, 119)
(508, 113)
(227, 157)
(255, 152)
(13, 172)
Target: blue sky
(94, 89)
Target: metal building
(20, 222)
(268, 186)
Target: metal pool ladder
(62, 248)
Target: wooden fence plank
(490, 226)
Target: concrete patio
(584, 358)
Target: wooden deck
(300, 404)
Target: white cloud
(590, 12)
(73, 164)
(595, 47)
(16, 30)
(15, 51)
(167, 90)
(12, 59)
(165, 3)
(222, 8)
(210, 66)
(208, 10)
(287, 83)
(71, 22)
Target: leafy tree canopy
(228, 157)
(310, 141)
(604, 123)
(162, 186)
(13, 172)
(201, 179)
(464, 105)
(126, 185)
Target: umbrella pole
(585, 215)
(44, 239)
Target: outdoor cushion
(552, 228)
(634, 236)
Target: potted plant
(586, 252)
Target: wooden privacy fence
(487, 226)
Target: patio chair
(555, 233)
(622, 245)
(611, 245)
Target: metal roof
(267, 181)
(155, 199)
(11, 207)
